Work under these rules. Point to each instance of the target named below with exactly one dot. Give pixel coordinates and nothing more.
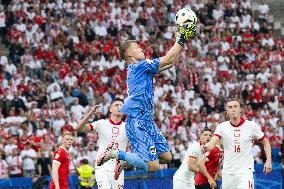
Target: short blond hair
(124, 47)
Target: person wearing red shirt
(60, 163)
(209, 170)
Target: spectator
(91, 153)
(4, 167)
(77, 109)
(10, 146)
(44, 164)
(14, 162)
(29, 156)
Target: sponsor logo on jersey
(153, 149)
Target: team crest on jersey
(149, 61)
(56, 156)
(153, 150)
(192, 153)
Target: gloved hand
(184, 33)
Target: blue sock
(133, 160)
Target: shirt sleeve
(58, 157)
(218, 131)
(193, 152)
(95, 126)
(257, 133)
(151, 66)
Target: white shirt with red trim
(238, 142)
(108, 132)
(183, 173)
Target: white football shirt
(109, 132)
(183, 173)
(238, 142)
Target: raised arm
(165, 68)
(171, 55)
(81, 125)
(182, 35)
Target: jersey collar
(112, 122)
(240, 123)
(64, 148)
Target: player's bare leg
(165, 157)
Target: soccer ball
(185, 16)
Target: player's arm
(267, 149)
(213, 142)
(171, 56)
(82, 123)
(203, 170)
(182, 35)
(55, 167)
(192, 164)
(165, 68)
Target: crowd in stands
(62, 59)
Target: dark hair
(84, 161)
(124, 47)
(206, 129)
(233, 98)
(117, 99)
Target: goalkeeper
(147, 143)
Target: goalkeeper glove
(184, 33)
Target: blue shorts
(145, 138)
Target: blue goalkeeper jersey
(140, 89)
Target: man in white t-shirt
(263, 10)
(28, 155)
(184, 176)
(10, 146)
(112, 131)
(238, 135)
(77, 109)
(14, 162)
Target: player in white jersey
(110, 130)
(184, 176)
(238, 135)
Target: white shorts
(178, 184)
(105, 179)
(237, 181)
